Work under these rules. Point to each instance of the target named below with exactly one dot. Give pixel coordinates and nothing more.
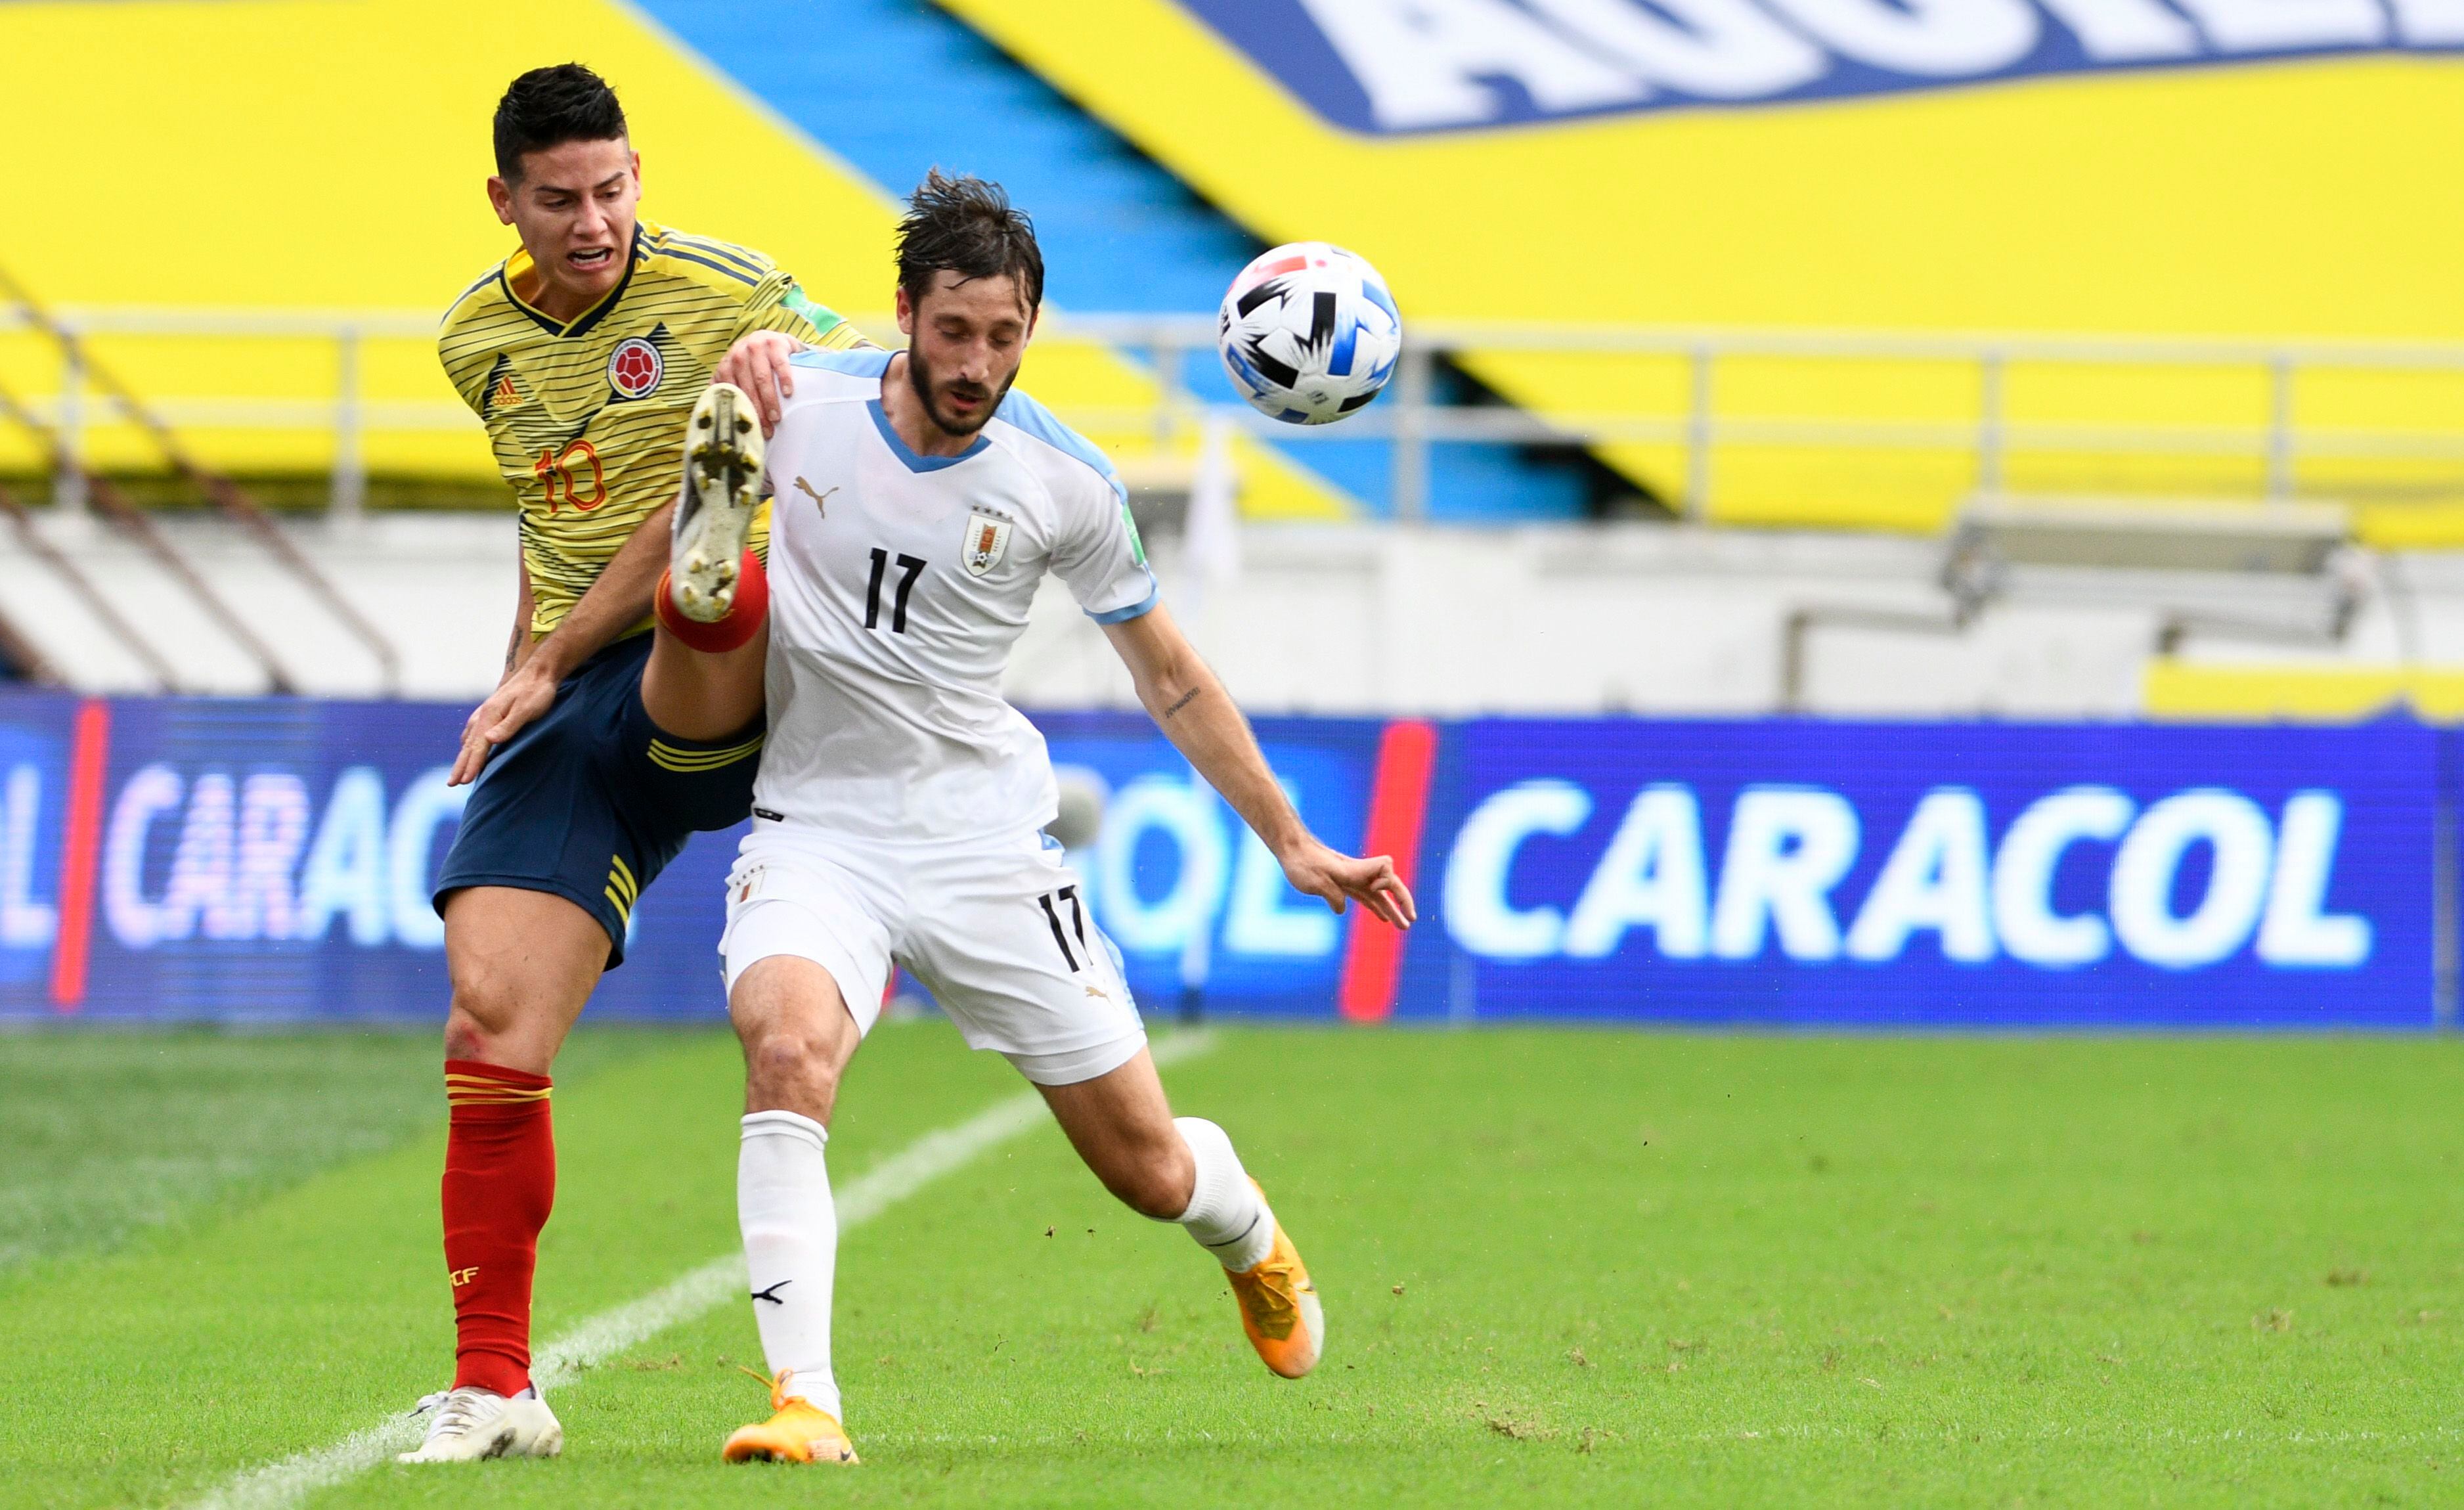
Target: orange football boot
(795, 1433)
(1279, 1306)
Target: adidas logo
(506, 395)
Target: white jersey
(898, 583)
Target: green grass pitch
(1559, 1267)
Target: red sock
(744, 615)
(499, 1185)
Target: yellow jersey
(588, 415)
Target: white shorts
(999, 932)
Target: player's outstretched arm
(1194, 711)
(619, 600)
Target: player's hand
(1321, 872)
(757, 364)
(517, 700)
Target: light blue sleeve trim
(1036, 420)
(1137, 610)
(854, 361)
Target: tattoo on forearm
(1182, 704)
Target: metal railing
(1410, 419)
(70, 470)
(346, 414)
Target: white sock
(791, 1246)
(1226, 1214)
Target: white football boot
(723, 453)
(470, 1423)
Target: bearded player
(606, 743)
(898, 811)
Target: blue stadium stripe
(896, 86)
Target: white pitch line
(278, 1485)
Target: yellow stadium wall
(2296, 198)
(2227, 693)
(332, 153)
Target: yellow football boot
(795, 1433)
(1279, 1307)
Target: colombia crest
(634, 368)
(987, 541)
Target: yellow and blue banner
(1388, 67)
(388, 101)
(2256, 170)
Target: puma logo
(821, 500)
(1099, 991)
(771, 1295)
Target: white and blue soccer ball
(1309, 333)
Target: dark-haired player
(606, 743)
(900, 801)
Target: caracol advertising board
(1956, 874)
(269, 860)
(259, 860)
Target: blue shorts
(592, 802)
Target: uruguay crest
(987, 541)
(634, 368)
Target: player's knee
(465, 1035)
(481, 1015)
(784, 1057)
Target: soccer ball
(1309, 333)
